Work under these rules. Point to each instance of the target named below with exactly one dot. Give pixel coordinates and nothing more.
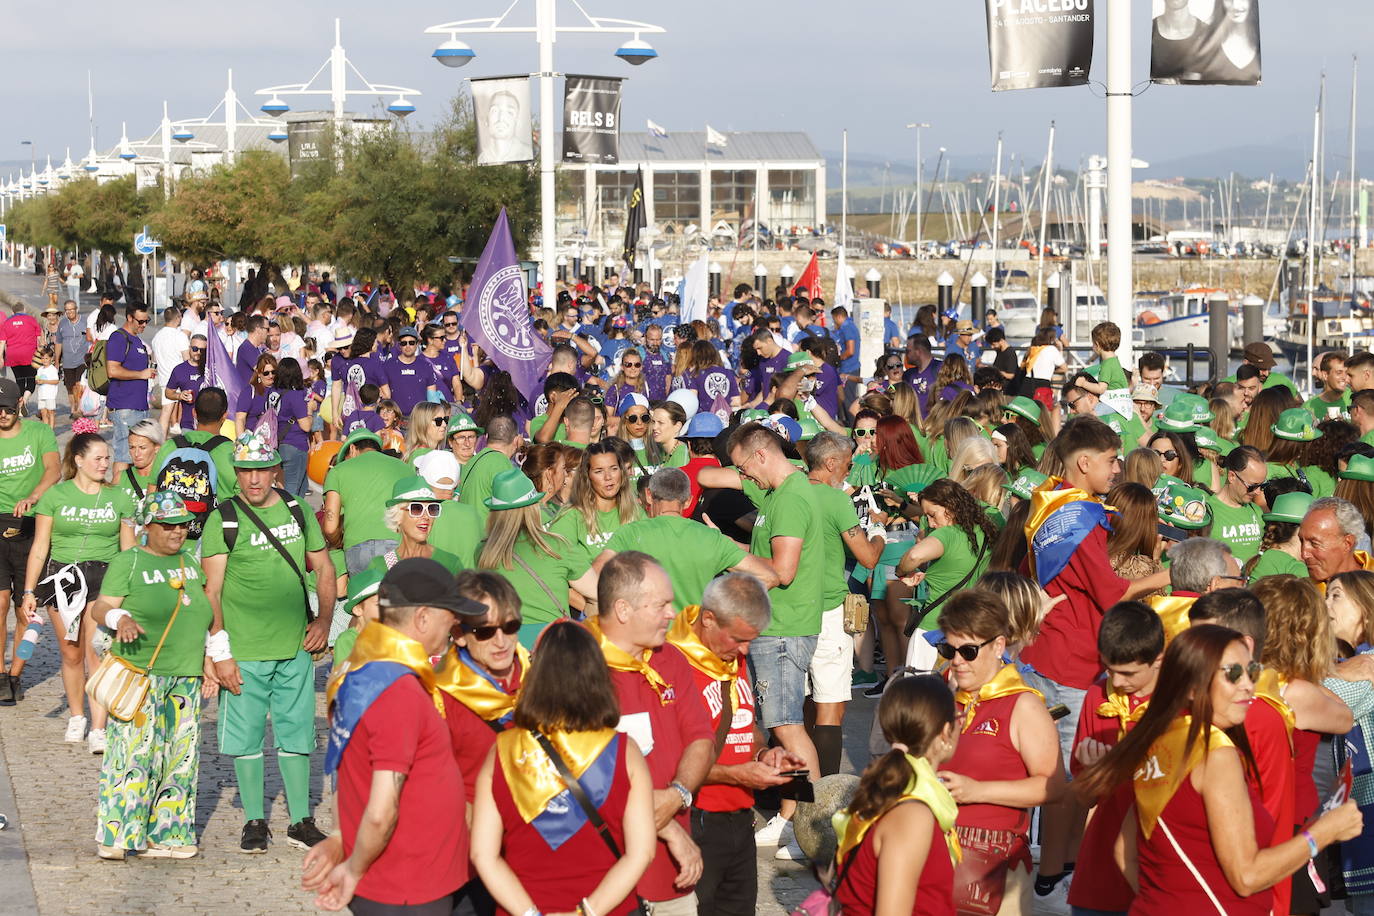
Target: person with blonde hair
(603, 497)
(1026, 604)
(426, 429)
(1142, 466)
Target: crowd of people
(592, 646)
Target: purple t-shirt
(445, 370)
(247, 360)
(127, 350)
(657, 367)
(290, 408)
(409, 381)
(827, 390)
(714, 387)
(365, 418)
(764, 371)
(921, 381)
(187, 377)
(452, 348)
(371, 370)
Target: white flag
(696, 292)
(657, 130)
(716, 138)
(844, 292)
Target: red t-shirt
(1268, 734)
(1066, 649)
(472, 736)
(692, 468)
(739, 741)
(20, 334)
(402, 731)
(662, 729)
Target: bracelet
(1312, 848)
(217, 646)
(585, 909)
(532, 911)
(113, 618)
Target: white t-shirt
(169, 351)
(74, 275)
(47, 394)
(1046, 361)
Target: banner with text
(1038, 44)
(501, 108)
(1205, 42)
(591, 120)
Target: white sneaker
(777, 832)
(95, 741)
(76, 730)
(1056, 902)
(790, 851)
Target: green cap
(752, 415)
(163, 507)
(1292, 507)
(511, 489)
(1359, 468)
(1024, 407)
(252, 451)
(1177, 417)
(1296, 424)
(1026, 481)
(362, 433)
(1184, 507)
(801, 360)
(1202, 410)
(460, 422)
(364, 585)
(809, 428)
(1208, 439)
(412, 490)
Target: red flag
(810, 280)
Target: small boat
(1338, 327)
(1180, 318)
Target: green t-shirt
(1109, 371)
(570, 524)
(1273, 562)
(226, 482)
(416, 455)
(691, 553)
(537, 604)
(1276, 379)
(950, 568)
(792, 511)
(458, 530)
(937, 457)
(1322, 483)
(84, 526)
(837, 516)
(442, 557)
(262, 599)
(477, 476)
(21, 461)
(364, 484)
(130, 476)
(1241, 529)
(1321, 408)
(1130, 429)
(1368, 438)
(144, 580)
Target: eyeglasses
(441, 421)
(630, 365)
(450, 324)
(864, 433)
(1170, 455)
(267, 373)
(1070, 404)
(197, 349)
(410, 342)
(175, 526)
(1233, 671)
(636, 418)
(968, 652)
(892, 367)
(140, 321)
(482, 634)
(420, 510)
(1249, 487)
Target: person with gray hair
(145, 440)
(691, 553)
(1328, 535)
(715, 638)
(1201, 565)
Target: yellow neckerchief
(475, 691)
(1031, 354)
(923, 787)
(683, 635)
(531, 775)
(617, 659)
(1173, 613)
(1004, 683)
(1167, 765)
(1269, 688)
(378, 642)
(1363, 558)
(1118, 705)
(1047, 500)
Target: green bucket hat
(412, 490)
(252, 451)
(511, 489)
(752, 415)
(1359, 468)
(1292, 507)
(1165, 481)
(459, 422)
(163, 507)
(362, 433)
(1202, 411)
(1208, 439)
(801, 360)
(1024, 407)
(1026, 481)
(1184, 507)
(1178, 417)
(1296, 424)
(810, 429)
(364, 585)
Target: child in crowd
(366, 414)
(47, 385)
(393, 422)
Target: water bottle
(30, 639)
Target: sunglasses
(893, 367)
(177, 526)
(441, 421)
(267, 373)
(420, 510)
(450, 324)
(630, 365)
(1170, 455)
(197, 349)
(1249, 487)
(636, 418)
(9, 410)
(482, 634)
(1233, 671)
(864, 433)
(968, 653)
(140, 321)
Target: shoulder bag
(919, 611)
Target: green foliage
(85, 214)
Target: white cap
(439, 469)
(687, 399)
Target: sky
(810, 65)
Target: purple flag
(220, 371)
(496, 315)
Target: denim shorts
(1055, 693)
(124, 419)
(778, 665)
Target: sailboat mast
(1047, 181)
(1312, 208)
(1354, 180)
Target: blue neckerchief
(563, 816)
(481, 672)
(358, 691)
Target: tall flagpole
(844, 190)
(1354, 180)
(1119, 265)
(1312, 244)
(1044, 206)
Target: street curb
(16, 885)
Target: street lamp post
(918, 127)
(455, 53)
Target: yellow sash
(1003, 684)
(380, 643)
(1031, 354)
(488, 701)
(1173, 613)
(1269, 688)
(924, 787)
(1169, 762)
(617, 659)
(531, 775)
(683, 635)
(1118, 706)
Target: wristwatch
(683, 791)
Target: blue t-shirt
(187, 377)
(843, 336)
(890, 330)
(409, 381)
(129, 351)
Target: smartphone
(1058, 711)
(796, 774)
(1170, 533)
(798, 788)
